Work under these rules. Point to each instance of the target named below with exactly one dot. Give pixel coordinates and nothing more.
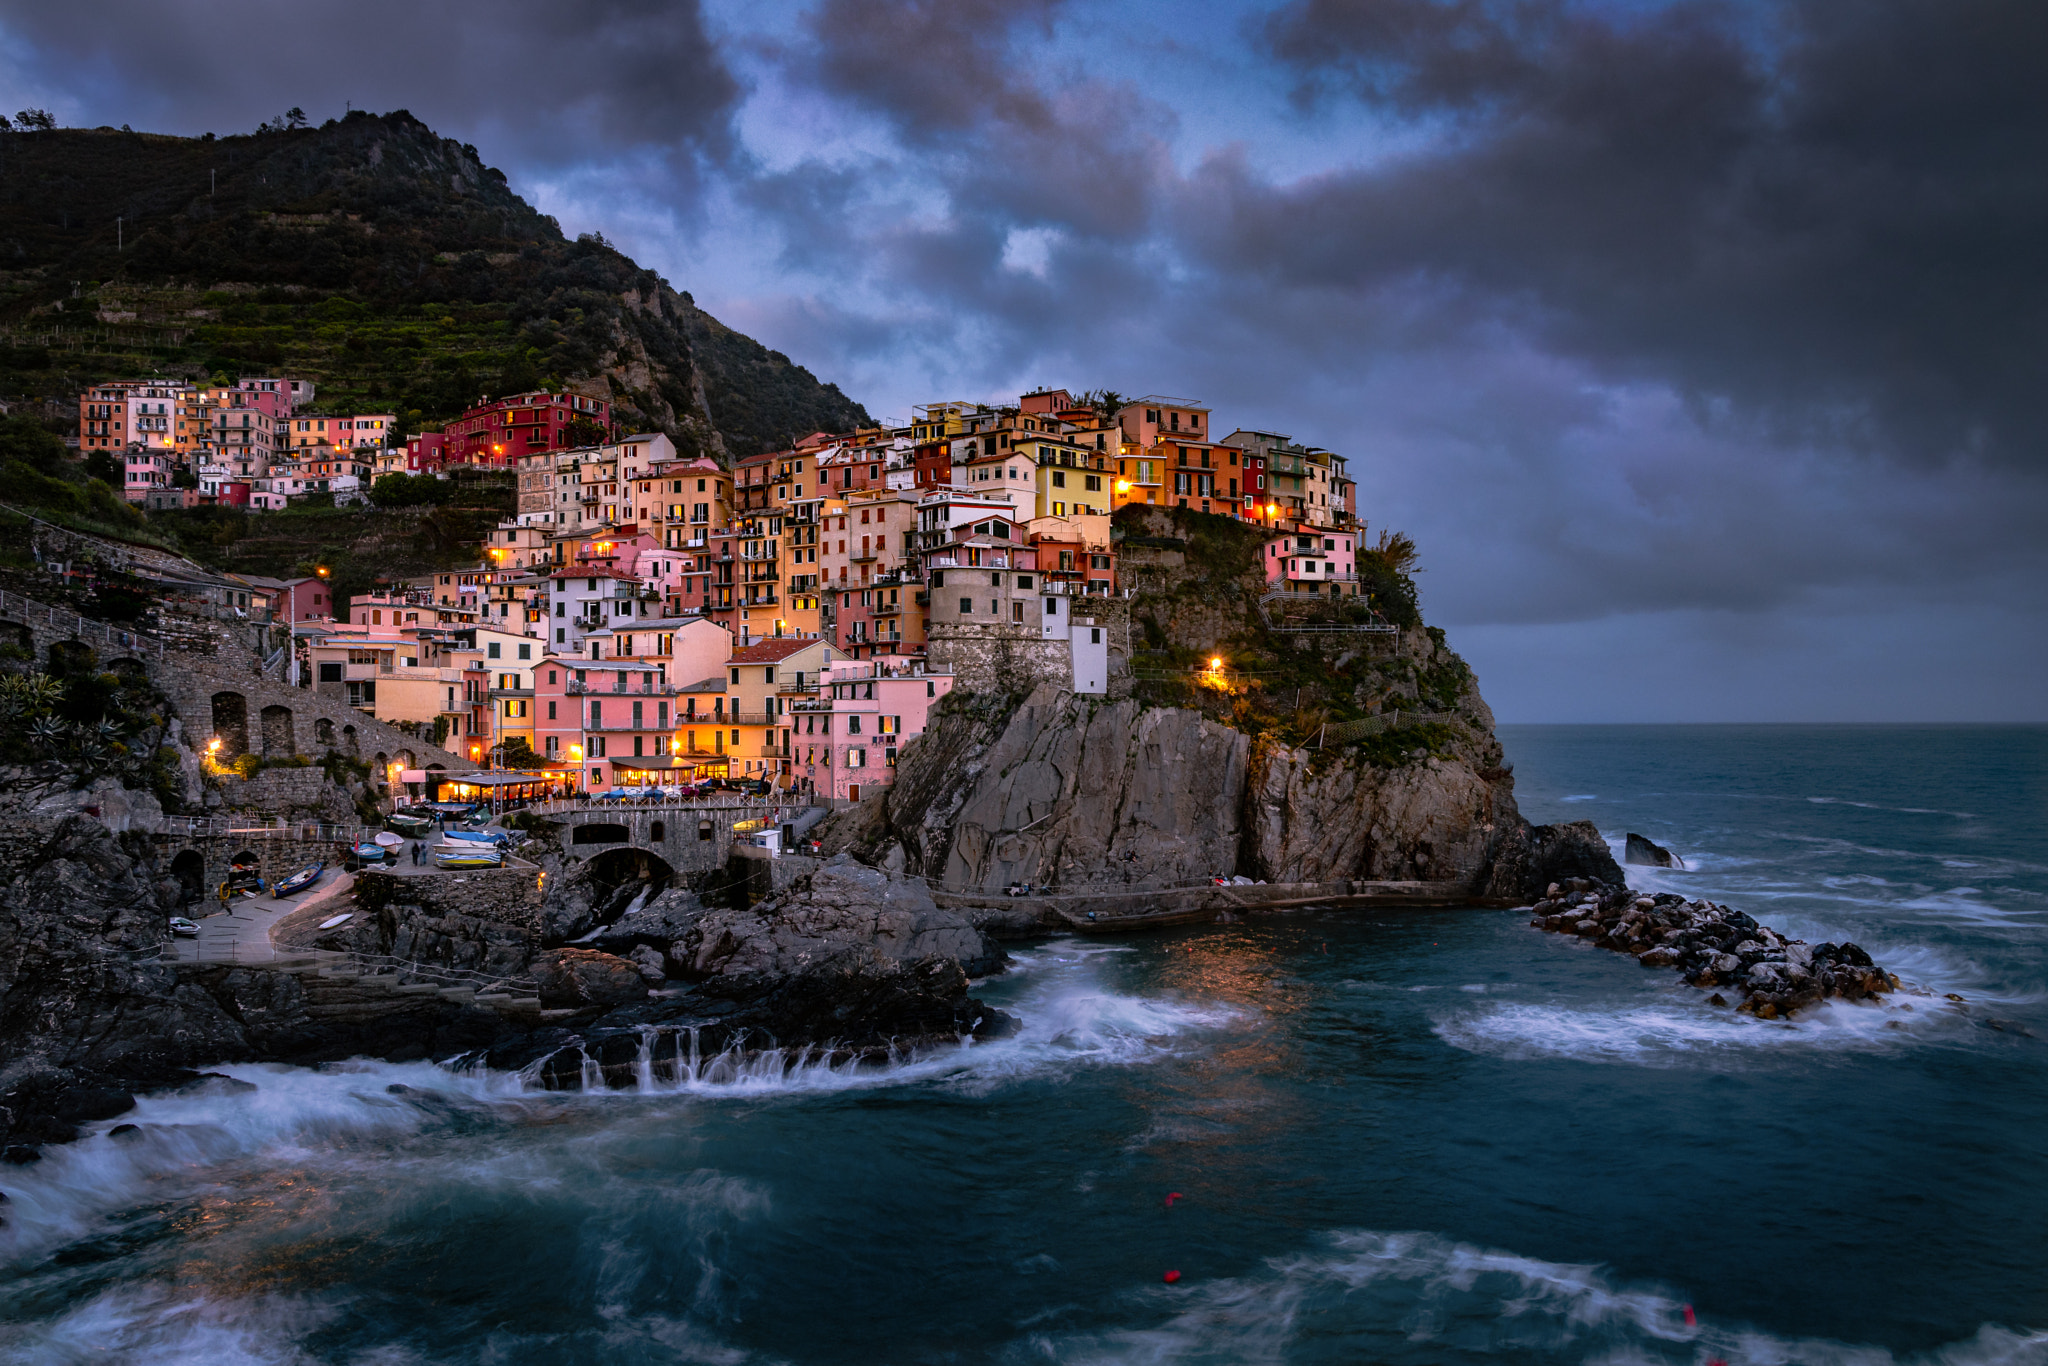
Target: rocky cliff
(1088, 794)
(1357, 749)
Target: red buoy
(1171, 1277)
(1172, 1196)
(1688, 1316)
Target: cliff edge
(1317, 739)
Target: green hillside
(386, 263)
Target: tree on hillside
(295, 117)
(1105, 401)
(584, 431)
(36, 120)
(1397, 548)
(410, 490)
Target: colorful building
(500, 433)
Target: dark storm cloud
(547, 83)
(967, 83)
(1836, 220)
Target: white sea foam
(190, 1141)
(1424, 1297)
(150, 1324)
(1902, 810)
(1684, 1033)
(154, 1324)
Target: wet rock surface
(1641, 851)
(1715, 947)
(859, 1009)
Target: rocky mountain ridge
(389, 264)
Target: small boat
(417, 827)
(183, 928)
(467, 856)
(369, 851)
(298, 882)
(331, 921)
(478, 836)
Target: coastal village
(652, 618)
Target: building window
(967, 607)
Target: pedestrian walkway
(242, 935)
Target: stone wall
(296, 793)
(1012, 659)
(484, 921)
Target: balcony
(727, 718)
(885, 609)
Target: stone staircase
(341, 986)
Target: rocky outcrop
(1532, 857)
(1084, 794)
(574, 978)
(1714, 947)
(87, 1007)
(842, 911)
(1433, 819)
(1642, 852)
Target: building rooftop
(770, 651)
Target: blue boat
(298, 882)
(478, 836)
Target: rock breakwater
(1713, 946)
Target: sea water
(1427, 1136)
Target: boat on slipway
(298, 882)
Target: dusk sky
(1700, 347)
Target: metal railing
(274, 827)
(31, 612)
(739, 806)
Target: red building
(933, 463)
(498, 433)
(426, 452)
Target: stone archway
(231, 723)
(323, 732)
(348, 741)
(189, 868)
(380, 771)
(620, 878)
(278, 740)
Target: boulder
(658, 924)
(1642, 852)
(838, 911)
(651, 962)
(577, 978)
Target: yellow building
(761, 680)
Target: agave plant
(44, 733)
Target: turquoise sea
(1417, 1137)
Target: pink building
(1305, 558)
(145, 470)
(278, 397)
(613, 724)
(849, 739)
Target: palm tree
(1398, 550)
(1104, 401)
